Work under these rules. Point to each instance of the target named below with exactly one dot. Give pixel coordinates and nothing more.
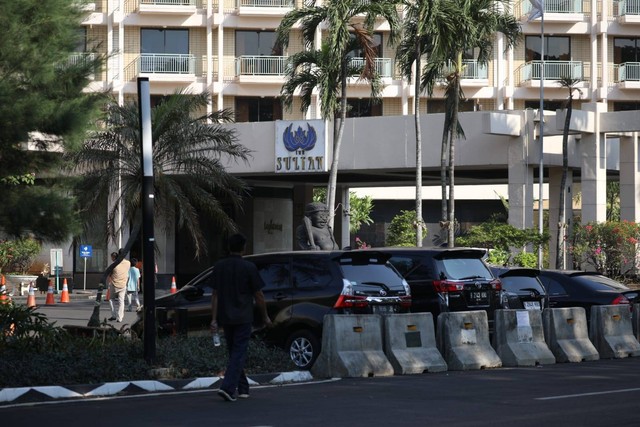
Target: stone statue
(314, 233)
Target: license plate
(478, 296)
(382, 309)
(532, 305)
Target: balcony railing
(556, 6)
(471, 70)
(384, 66)
(169, 2)
(629, 7)
(155, 63)
(265, 3)
(81, 57)
(247, 65)
(629, 72)
(553, 70)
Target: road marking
(595, 393)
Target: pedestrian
(118, 282)
(133, 286)
(236, 283)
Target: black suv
(301, 287)
(521, 288)
(447, 279)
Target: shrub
(610, 247)
(402, 230)
(18, 255)
(526, 259)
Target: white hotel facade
(226, 47)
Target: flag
(537, 9)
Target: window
(553, 287)
(256, 109)
(164, 41)
(438, 106)
(358, 53)
(548, 105)
(257, 43)
(275, 275)
(556, 48)
(626, 106)
(311, 272)
(363, 108)
(626, 50)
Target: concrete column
(302, 194)
(521, 177)
(555, 177)
(344, 239)
(630, 178)
(594, 169)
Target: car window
(376, 273)
(599, 283)
(461, 268)
(411, 268)
(204, 282)
(311, 272)
(518, 283)
(275, 275)
(553, 287)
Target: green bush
(35, 352)
(402, 230)
(526, 259)
(17, 256)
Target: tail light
(620, 299)
(496, 285)
(447, 286)
(405, 301)
(347, 299)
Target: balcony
(473, 73)
(627, 75)
(384, 66)
(555, 10)
(168, 67)
(83, 58)
(261, 69)
(553, 70)
(264, 7)
(181, 7)
(629, 11)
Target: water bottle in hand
(216, 339)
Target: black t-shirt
(235, 280)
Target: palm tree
(348, 23)
(189, 155)
(459, 26)
(414, 44)
(561, 248)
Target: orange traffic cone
(31, 299)
(50, 300)
(174, 289)
(64, 296)
(4, 298)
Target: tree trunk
(333, 173)
(561, 246)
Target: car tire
(303, 347)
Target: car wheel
(303, 347)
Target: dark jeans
(237, 337)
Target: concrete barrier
(410, 344)
(519, 338)
(463, 341)
(635, 321)
(352, 347)
(611, 332)
(565, 331)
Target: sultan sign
(301, 146)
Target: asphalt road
(601, 393)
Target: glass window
(553, 287)
(257, 43)
(463, 268)
(164, 41)
(600, 283)
(275, 275)
(363, 108)
(412, 269)
(626, 106)
(520, 283)
(256, 109)
(311, 272)
(358, 53)
(626, 50)
(556, 48)
(377, 273)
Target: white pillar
(520, 175)
(630, 178)
(594, 169)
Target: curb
(40, 394)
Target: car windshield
(600, 283)
(464, 268)
(380, 273)
(519, 283)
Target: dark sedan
(521, 288)
(570, 288)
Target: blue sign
(85, 251)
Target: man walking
(119, 279)
(236, 283)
